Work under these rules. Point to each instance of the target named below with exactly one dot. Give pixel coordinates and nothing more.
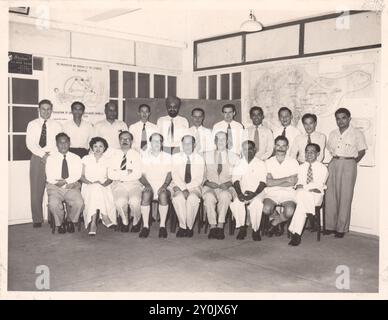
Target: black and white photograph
(171, 148)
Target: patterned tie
(229, 137)
(308, 139)
(188, 171)
(171, 131)
(123, 165)
(43, 135)
(256, 138)
(219, 163)
(143, 143)
(284, 132)
(310, 177)
(65, 168)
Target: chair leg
(200, 216)
(173, 218)
(52, 222)
(318, 222)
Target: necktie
(123, 165)
(143, 143)
(43, 135)
(256, 138)
(284, 132)
(188, 171)
(219, 163)
(171, 130)
(308, 139)
(65, 168)
(310, 177)
(229, 137)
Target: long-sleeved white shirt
(110, 132)
(320, 174)
(237, 133)
(79, 135)
(54, 167)
(179, 161)
(266, 141)
(133, 163)
(137, 128)
(291, 133)
(180, 129)
(298, 147)
(34, 129)
(204, 139)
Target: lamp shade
(251, 24)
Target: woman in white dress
(96, 189)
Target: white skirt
(97, 197)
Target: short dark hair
(342, 110)
(279, 138)
(198, 109)
(124, 132)
(284, 109)
(75, 103)
(61, 135)
(256, 108)
(250, 142)
(309, 115)
(45, 101)
(94, 140)
(188, 135)
(156, 134)
(173, 98)
(229, 105)
(144, 105)
(315, 145)
(110, 103)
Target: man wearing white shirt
(310, 136)
(79, 130)
(218, 190)
(312, 176)
(286, 130)
(40, 140)
(234, 129)
(249, 181)
(125, 171)
(281, 178)
(187, 175)
(202, 135)
(63, 170)
(172, 127)
(156, 178)
(110, 128)
(143, 129)
(259, 134)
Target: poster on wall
(71, 80)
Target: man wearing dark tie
(63, 170)
(143, 129)
(40, 141)
(187, 177)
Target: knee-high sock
(145, 213)
(163, 215)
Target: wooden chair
(51, 219)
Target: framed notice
(19, 63)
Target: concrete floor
(114, 261)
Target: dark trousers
(37, 186)
(81, 152)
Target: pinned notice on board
(19, 63)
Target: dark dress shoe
(220, 235)
(61, 229)
(144, 233)
(136, 228)
(328, 232)
(242, 233)
(37, 225)
(295, 240)
(125, 228)
(256, 235)
(162, 232)
(70, 227)
(339, 234)
(181, 233)
(189, 233)
(212, 233)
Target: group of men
(252, 171)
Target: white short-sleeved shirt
(278, 170)
(156, 168)
(250, 174)
(96, 170)
(79, 135)
(110, 131)
(347, 144)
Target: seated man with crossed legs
(187, 177)
(156, 177)
(249, 181)
(312, 176)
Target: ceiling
(179, 22)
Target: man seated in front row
(281, 179)
(156, 177)
(187, 177)
(125, 171)
(218, 189)
(312, 176)
(249, 181)
(63, 170)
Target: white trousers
(216, 200)
(255, 210)
(186, 209)
(306, 202)
(124, 194)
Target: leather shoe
(220, 235)
(181, 233)
(189, 233)
(328, 232)
(144, 233)
(162, 232)
(339, 234)
(62, 229)
(256, 235)
(136, 228)
(295, 240)
(125, 228)
(70, 227)
(212, 233)
(37, 225)
(242, 233)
